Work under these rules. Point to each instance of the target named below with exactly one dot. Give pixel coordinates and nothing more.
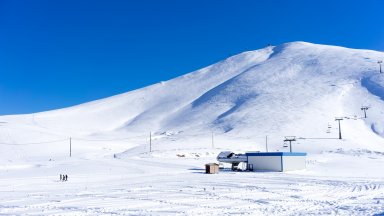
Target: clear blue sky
(55, 54)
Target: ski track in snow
(192, 193)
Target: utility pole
(150, 141)
(266, 143)
(70, 146)
(290, 139)
(365, 108)
(339, 119)
(380, 62)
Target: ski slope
(293, 89)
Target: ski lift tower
(289, 139)
(365, 108)
(339, 119)
(380, 62)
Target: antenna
(289, 139)
(339, 119)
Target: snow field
(154, 186)
(292, 89)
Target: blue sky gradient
(55, 54)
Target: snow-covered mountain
(291, 89)
(248, 102)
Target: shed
(276, 161)
(211, 168)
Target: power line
(102, 140)
(60, 140)
(34, 143)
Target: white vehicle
(232, 158)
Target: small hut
(211, 168)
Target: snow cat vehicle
(237, 161)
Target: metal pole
(213, 145)
(70, 146)
(339, 119)
(365, 108)
(150, 141)
(266, 143)
(290, 139)
(339, 129)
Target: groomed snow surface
(294, 89)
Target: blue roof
(275, 154)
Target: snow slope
(291, 89)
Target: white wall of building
(270, 163)
(276, 161)
(293, 163)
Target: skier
(61, 177)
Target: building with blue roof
(276, 161)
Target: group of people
(63, 177)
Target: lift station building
(266, 161)
(276, 161)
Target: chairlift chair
(285, 144)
